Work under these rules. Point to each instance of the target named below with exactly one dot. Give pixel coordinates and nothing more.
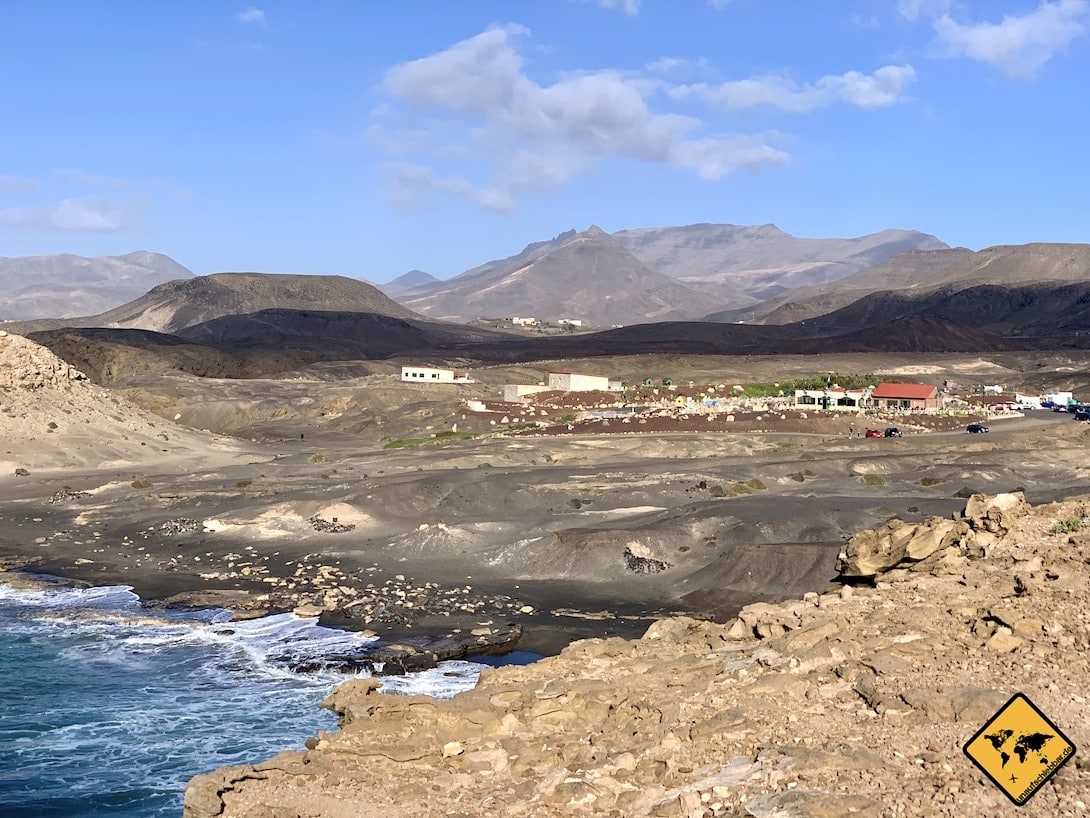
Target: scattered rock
(330, 526)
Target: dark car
(872, 433)
(976, 428)
(1082, 413)
(892, 431)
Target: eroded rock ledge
(851, 703)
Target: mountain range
(63, 285)
(654, 274)
(1029, 297)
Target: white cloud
(885, 86)
(251, 15)
(82, 215)
(915, 9)
(627, 6)
(475, 99)
(1017, 46)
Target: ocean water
(108, 710)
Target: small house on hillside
(573, 382)
(905, 396)
(428, 374)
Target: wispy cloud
(915, 9)
(885, 86)
(80, 177)
(631, 7)
(1017, 46)
(474, 101)
(88, 214)
(252, 16)
(17, 185)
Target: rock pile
(855, 702)
(26, 365)
(65, 495)
(330, 526)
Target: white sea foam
(103, 698)
(267, 646)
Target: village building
(573, 382)
(428, 374)
(570, 322)
(834, 398)
(523, 322)
(916, 396)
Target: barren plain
(279, 494)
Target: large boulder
(876, 550)
(994, 513)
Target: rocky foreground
(849, 703)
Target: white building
(572, 382)
(428, 374)
(523, 322)
(570, 322)
(835, 399)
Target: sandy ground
(277, 495)
(534, 530)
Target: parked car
(892, 431)
(976, 428)
(1082, 413)
(872, 433)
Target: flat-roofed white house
(574, 382)
(570, 322)
(430, 374)
(835, 398)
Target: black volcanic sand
(564, 536)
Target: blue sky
(367, 139)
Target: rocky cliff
(850, 703)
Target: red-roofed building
(905, 396)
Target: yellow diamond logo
(1019, 749)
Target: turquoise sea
(108, 710)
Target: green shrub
(441, 437)
(873, 480)
(1067, 526)
(931, 481)
(241, 484)
(756, 484)
(141, 484)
